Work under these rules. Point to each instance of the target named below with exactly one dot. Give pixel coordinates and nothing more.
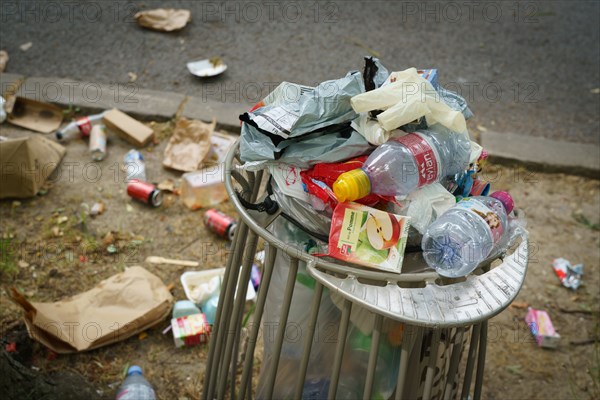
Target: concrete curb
(543, 154)
(534, 152)
(143, 104)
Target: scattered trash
(162, 260)
(189, 145)
(366, 236)
(26, 46)
(135, 168)
(221, 224)
(98, 142)
(479, 223)
(542, 329)
(203, 188)
(135, 387)
(569, 275)
(81, 126)
(183, 308)
(35, 115)
(221, 142)
(3, 60)
(105, 307)
(128, 128)
(168, 185)
(36, 156)
(132, 77)
(165, 20)
(144, 192)
(199, 286)
(2, 111)
(112, 249)
(190, 330)
(206, 68)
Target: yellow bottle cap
(352, 185)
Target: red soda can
(144, 192)
(221, 224)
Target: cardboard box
(541, 328)
(131, 130)
(190, 330)
(26, 163)
(35, 115)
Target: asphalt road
(525, 67)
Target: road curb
(542, 154)
(143, 104)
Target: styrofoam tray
(190, 279)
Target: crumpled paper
(189, 145)
(163, 19)
(115, 309)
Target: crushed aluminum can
(569, 275)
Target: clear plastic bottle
(81, 126)
(135, 387)
(135, 168)
(465, 235)
(404, 164)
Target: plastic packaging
(465, 235)
(183, 308)
(81, 126)
(135, 387)
(2, 112)
(135, 168)
(203, 188)
(402, 165)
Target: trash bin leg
(408, 342)
(237, 312)
(283, 317)
(339, 350)
(433, 351)
(480, 361)
(373, 357)
(223, 311)
(454, 360)
(263, 290)
(470, 362)
(308, 340)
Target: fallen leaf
(520, 305)
(129, 208)
(595, 91)
(167, 185)
(482, 128)
(132, 77)
(23, 264)
(142, 336)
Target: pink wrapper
(541, 327)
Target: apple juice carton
(367, 236)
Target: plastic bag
(333, 144)
(326, 104)
(320, 363)
(375, 74)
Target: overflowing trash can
(353, 303)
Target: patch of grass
(582, 219)
(8, 264)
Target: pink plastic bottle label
(484, 213)
(425, 156)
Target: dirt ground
(49, 257)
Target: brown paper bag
(162, 19)
(117, 308)
(26, 163)
(189, 145)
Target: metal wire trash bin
(440, 319)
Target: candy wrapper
(366, 236)
(190, 330)
(541, 327)
(569, 275)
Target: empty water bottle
(135, 168)
(135, 387)
(465, 235)
(404, 164)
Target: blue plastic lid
(134, 369)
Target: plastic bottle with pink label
(467, 234)
(404, 164)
